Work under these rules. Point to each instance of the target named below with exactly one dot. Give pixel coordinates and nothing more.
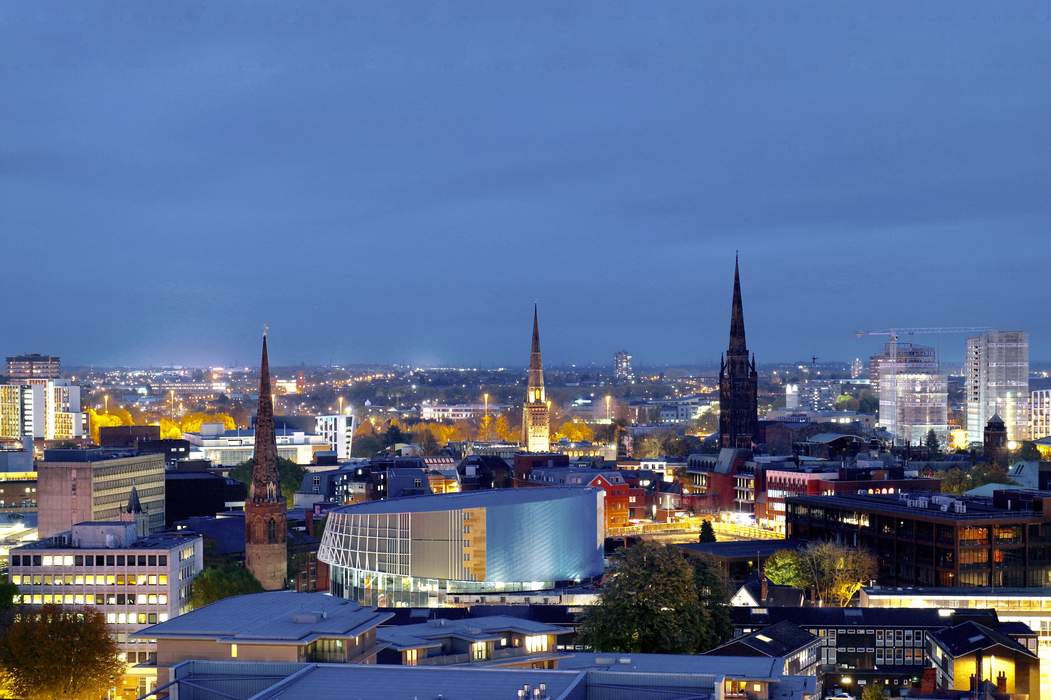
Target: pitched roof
(968, 637)
(431, 632)
(777, 640)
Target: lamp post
(341, 405)
(608, 397)
(105, 401)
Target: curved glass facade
(414, 551)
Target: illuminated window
(233, 651)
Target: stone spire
(134, 505)
(536, 427)
(266, 522)
(737, 340)
(536, 366)
(266, 483)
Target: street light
(485, 419)
(341, 405)
(608, 397)
(105, 400)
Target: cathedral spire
(535, 415)
(266, 484)
(737, 341)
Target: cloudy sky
(401, 181)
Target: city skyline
(369, 185)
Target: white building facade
(996, 366)
(338, 430)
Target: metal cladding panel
(437, 545)
(555, 540)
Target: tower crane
(895, 333)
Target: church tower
(738, 381)
(133, 513)
(265, 518)
(536, 428)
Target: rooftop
(270, 618)
(162, 540)
(774, 641)
(467, 499)
(736, 666)
(969, 637)
(955, 508)
(475, 629)
(860, 617)
(742, 548)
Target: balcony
(494, 655)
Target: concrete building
(1040, 414)
(278, 626)
(338, 431)
(48, 409)
(232, 447)
(912, 404)
(460, 411)
(496, 641)
(623, 373)
(417, 551)
(78, 485)
(135, 581)
(996, 366)
(33, 366)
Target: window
(411, 657)
(233, 651)
(271, 531)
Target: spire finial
(266, 329)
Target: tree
(218, 582)
(835, 573)
(956, 481)
(873, 691)
(654, 600)
(504, 431)
(707, 532)
(8, 591)
(785, 568)
(58, 652)
(576, 430)
(290, 475)
(1029, 452)
(932, 443)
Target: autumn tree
(504, 431)
(785, 568)
(575, 430)
(289, 473)
(57, 652)
(218, 582)
(655, 600)
(873, 691)
(835, 573)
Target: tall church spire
(536, 428)
(738, 381)
(265, 518)
(737, 340)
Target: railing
(494, 655)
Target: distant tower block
(536, 427)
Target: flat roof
(959, 592)
(742, 666)
(277, 617)
(741, 549)
(492, 627)
(163, 540)
(977, 509)
(467, 499)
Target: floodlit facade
(41, 408)
(1040, 414)
(997, 382)
(338, 431)
(536, 419)
(416, 551)
(134, 581)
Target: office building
(857, 368)
(48, 409)
(937, 540)
(134, 581)
(278, 626)
(738, 381)
(623, 373)
(912, 405)
(33, 366)
(93, 484)
(420, 550)
(901, 358)
(229, 448)
(996, 368)
(455, 412)
(1040, 414)
(266, 520)
(338, 431)
(536, 426)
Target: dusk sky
(392, 182)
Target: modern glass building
(417, 551)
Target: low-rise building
(232, 447)
(496, 640)
(277, 626)
(969, 654)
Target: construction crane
(895, 333)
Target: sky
(401, 181)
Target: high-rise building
(1040, 414)
(80, 485)
(536, 427)
(34, 366)
(48, 409)
(738, 381)
(997, 382)
(623, 373)
(856, 368)
(266, 526)
(913, 393)
(338, 430)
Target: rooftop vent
(306, 618)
